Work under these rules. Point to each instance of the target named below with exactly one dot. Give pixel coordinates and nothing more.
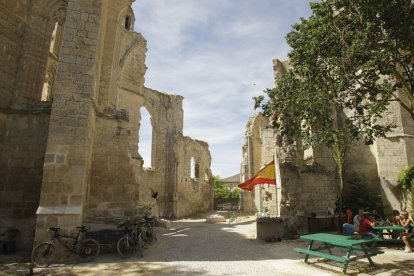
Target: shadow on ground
(193, 247)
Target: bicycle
(86, 249)
(131, 241)
(148, 234)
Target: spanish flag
(264, 176)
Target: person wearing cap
(365, 226)
(407, 223)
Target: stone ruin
(307, 180)
(71, 96)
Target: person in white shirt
(357, 218)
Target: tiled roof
(231, 179)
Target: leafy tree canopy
(352, 57)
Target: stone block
(164, 223)
(270, 229)
(215, 218)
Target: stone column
(67, 164)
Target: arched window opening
(192, 168)
(52, 60)
(145, 134)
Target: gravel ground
(193, 247)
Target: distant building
(231, 182)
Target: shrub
(406, 178)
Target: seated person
(357, 218)
(349, 216)
(407, 223)
(394, 220)
(365, 226)
(348, 229)
(377, 218)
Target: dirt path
(193, 247)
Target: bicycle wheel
(43, 254)
(125, 247)
(88, 250)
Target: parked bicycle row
(135, 236)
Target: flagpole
(261, 199)
(277, 211)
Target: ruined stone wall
(252, 161)
(304, 188)
(193, 195)
(67, 167)
(120, 184)
(24, 123)
(14, 16)
(71, 156)
(113, 188)
(271, 193)
(22, 153)
(381, 162)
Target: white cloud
(218, 55)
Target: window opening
(197, 171)
(192, 168)
(128, 22)
(52, 60)
(145, 138)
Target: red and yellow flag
(264, 176)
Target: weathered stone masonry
(71, 91)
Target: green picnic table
(326, 242)
(387, 230)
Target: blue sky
(217, 54)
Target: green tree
(360, 195)
(222, 191)
(405, 180)
(348, 61)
